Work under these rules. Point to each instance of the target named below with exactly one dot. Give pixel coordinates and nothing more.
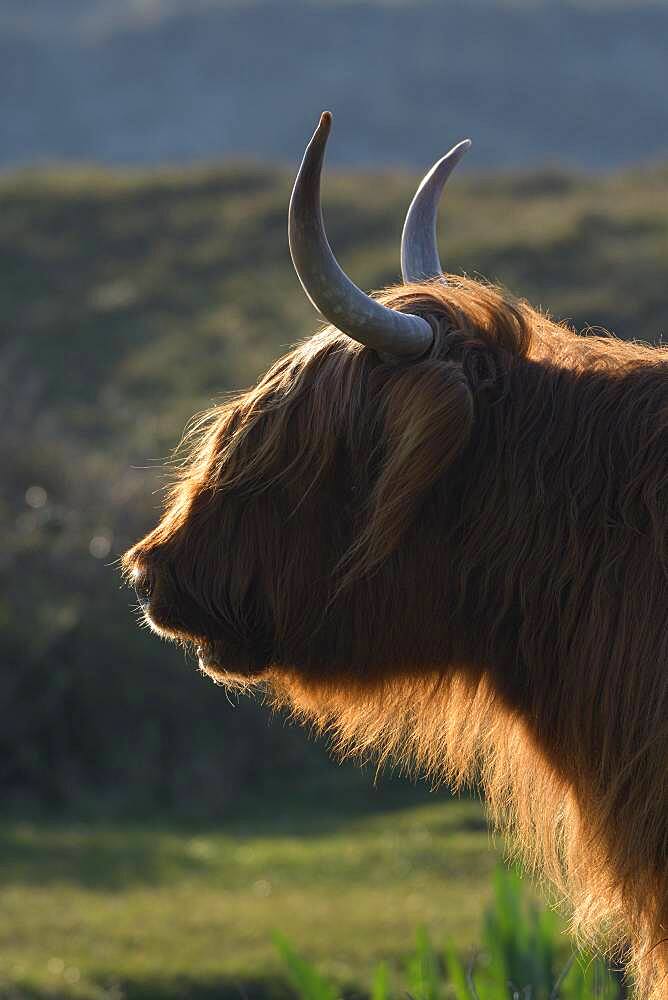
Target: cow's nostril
(143, 584)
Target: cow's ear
(427, 421)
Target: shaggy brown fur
(461, 562)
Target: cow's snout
(164, 606)
(143, 581)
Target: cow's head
(316, 511)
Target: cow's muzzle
(143, 582)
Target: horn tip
(325, 123)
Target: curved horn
(329, 289)
(419, 248)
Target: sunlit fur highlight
(461, 564)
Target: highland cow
(439, 528)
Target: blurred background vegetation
(155, 834)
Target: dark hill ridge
(530, 83)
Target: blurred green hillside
(131, 301)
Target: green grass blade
(456, 973)
(380, 985)
(423, 973)
(307, 982)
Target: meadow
(161, 910)
(155, 836)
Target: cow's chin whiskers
(230, 681)
(148, 622)
(234, 680)
(205, 652)
(162, 630)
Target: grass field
(143, 910)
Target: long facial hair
(461, 564)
